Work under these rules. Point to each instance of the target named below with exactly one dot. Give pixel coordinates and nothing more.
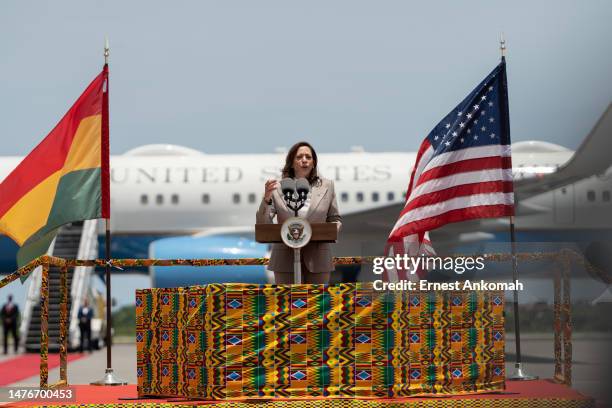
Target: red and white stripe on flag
(456, 186)
(463, 171)
(412, 246)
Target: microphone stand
(295, 202)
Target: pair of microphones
(295, 192)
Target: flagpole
(519, 373)
(109, 376)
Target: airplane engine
(207, 247)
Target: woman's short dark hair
(288, 171)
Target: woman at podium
(320, 206)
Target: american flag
(463, 171)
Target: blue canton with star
(477, 121)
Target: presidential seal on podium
(296, 232)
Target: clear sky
(248, 76)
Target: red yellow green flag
(64, 179)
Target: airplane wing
(372, 227)
(379, 221)
(592, 157)
(366, 232)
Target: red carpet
(28, 365)
(542, 393)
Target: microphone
(302, 187)
(288, 188)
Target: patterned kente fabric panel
(229, 341)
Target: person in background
(10, 317)
(85, 316)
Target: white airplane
(160, 191)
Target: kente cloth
(247, 341)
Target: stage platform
(245, 341)
(541, 393)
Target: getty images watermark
(459, 265)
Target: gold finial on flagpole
(106, 50)
(502, 44)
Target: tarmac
(592, 363)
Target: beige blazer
(323, 208)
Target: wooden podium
(321, 232)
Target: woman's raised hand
(270, 187)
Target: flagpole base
(520, 374)
(109, 379)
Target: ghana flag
(64, 179)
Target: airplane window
(390, 196)
(344, 197)
(144, 199)
(159, 199)
(591, 195)
(205, 199)
(360, 196)
(375, 196)
(236, 198)
(174, 198)
(251, 197)
(606, 196)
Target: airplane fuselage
(154, 195)
(193, 193)
(186, 194)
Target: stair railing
(88, 249)
(32, 299)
